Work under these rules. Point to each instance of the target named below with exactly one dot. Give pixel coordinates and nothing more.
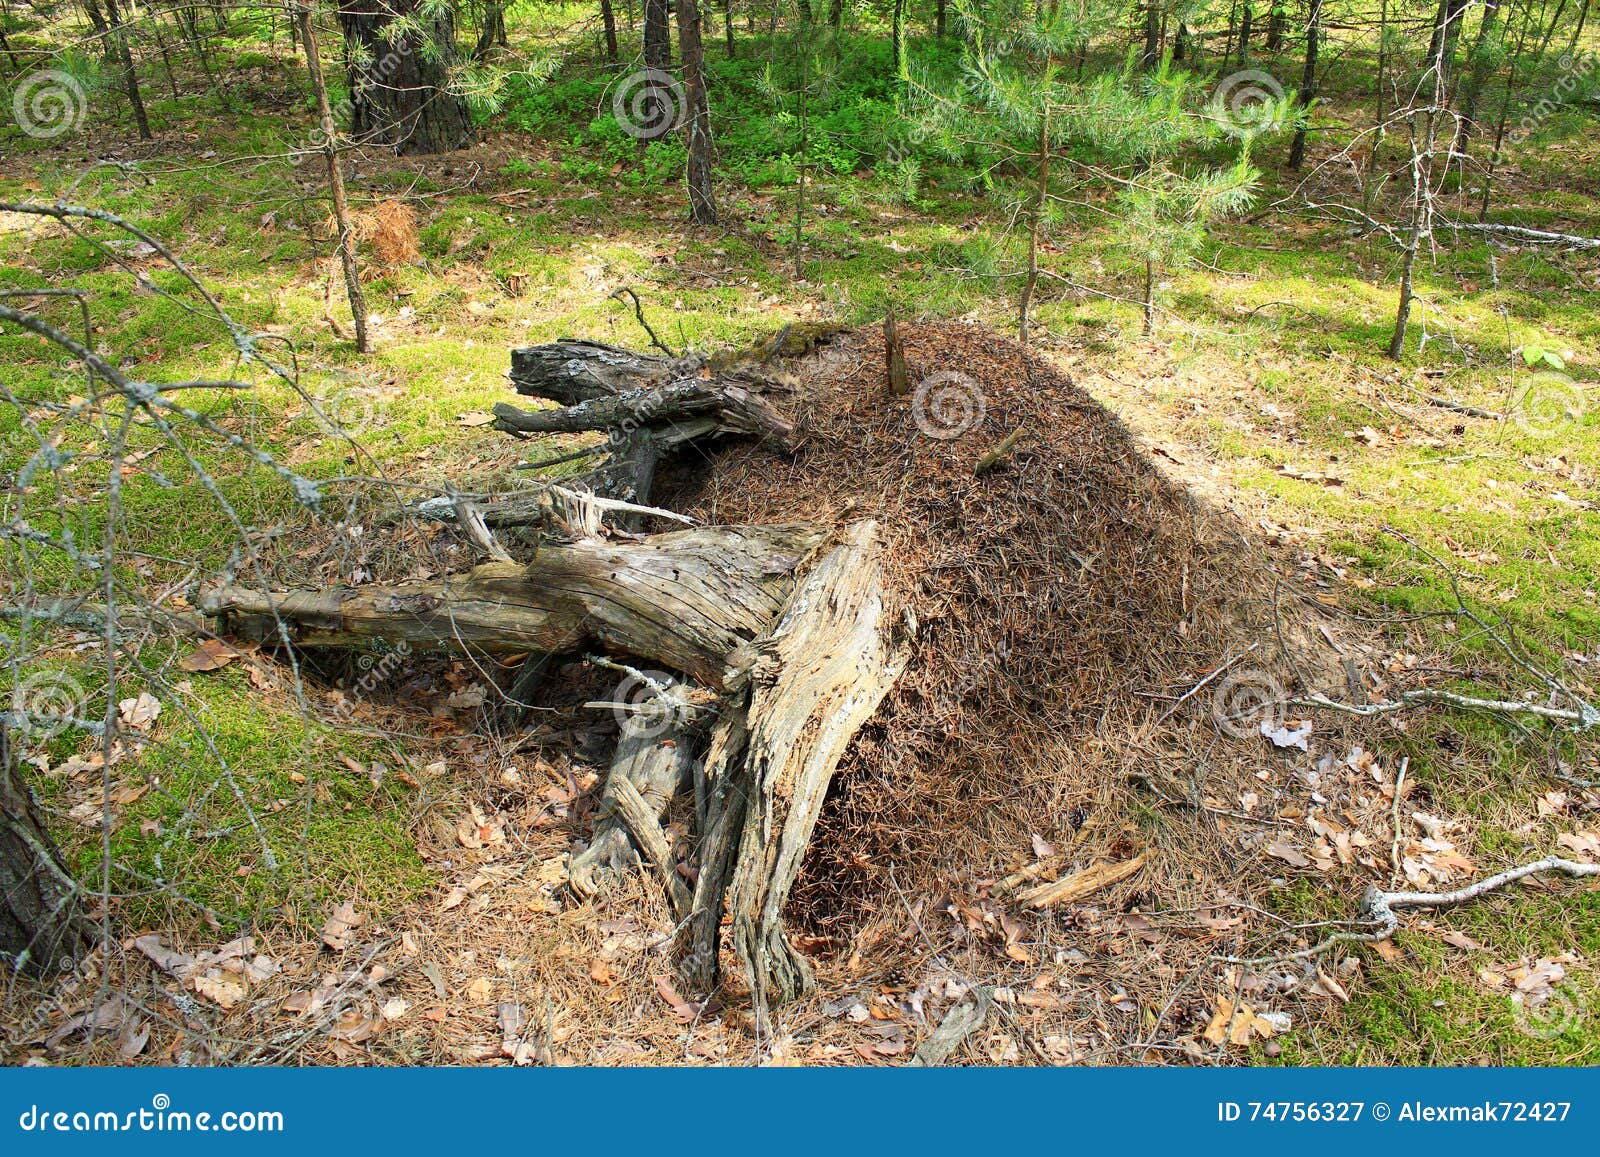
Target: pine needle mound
(1064, 598)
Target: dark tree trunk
(1308, 84)
(727, 26)
(114, 36)
(1275, 22)
(1152, 36)
(939, 19)
(398, 92)
(493, 32)
(897, 35)
(836, 14)
(658, 34)
(42, 926)
(1244, 34)
(702, 202)
(608, 18)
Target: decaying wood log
(571, 371)
(684, 600)
(819, 676)
(677, 412)
(654, 754)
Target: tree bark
(702, 200)
(399, 92)
(330, 156)
(113, 33)
(42, 926)
(818, 677)
(1477, 76)
(1308, 85)
(685, 600)
(608, 20)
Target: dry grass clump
(390, 230)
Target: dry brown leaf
(339, 932)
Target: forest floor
(1264, 391)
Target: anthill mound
(1060, 596)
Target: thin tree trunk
(727, 27)
(1276, 19)
(1421, 186)
(330, 154)
(1503, 120)
(608, 18)
(42, 926)
(702, 200)
(897, 37)
(1477, 76)
(1244, 34)
(1149, 297)
(1308, 85)
(1035, 218)
(1152, 36)
(109, 28)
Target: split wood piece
(654, 754)
(721, 793)
(676, 412)
(685, 600)
(818, 677)
(1079, 885)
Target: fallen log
(676, 412)
(685, 600)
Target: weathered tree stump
(781, 634)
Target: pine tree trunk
(109, 29)
(399, 94)
(330, 153)
(42, 925)
(1244, 34)
(702, 201)
(1275, 22)
(608, 18)
(1152, 36)
(1477, 75)
(1308, 84)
